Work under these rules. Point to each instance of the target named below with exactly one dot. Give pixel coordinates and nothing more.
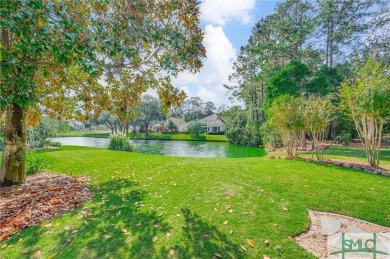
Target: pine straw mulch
(42, 197)
(316, 241)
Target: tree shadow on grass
(204, 240)
(117, 224)
(113, 225)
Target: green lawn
(86, 133)
(190, 198)
(353, 154)
(158, 136)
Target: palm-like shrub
(120, 142)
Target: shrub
(35, 164)
(386, 140)
(120, 142)
(270, 137)
(214, 133)
(286, 115)
(195, 127)
(38, 136)
(240, 130)
(52, 143)
(344, 138)
(1, 143)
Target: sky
(227, 26)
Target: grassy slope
(159, 136)
(187, 197)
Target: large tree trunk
(13, 169)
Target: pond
(174, 148)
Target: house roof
(178, 122)
(160, 124)
(213, 121)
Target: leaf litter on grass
(42, 197)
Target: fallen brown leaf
(42, 197)
(250, 243)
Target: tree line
(301, 56)
(150, 110)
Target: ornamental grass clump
(120, 142)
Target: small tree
(171, 126)
(286, 115)
(367, 100)
(318, 114)
(195, 127)
(150, 110)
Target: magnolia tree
(367, 100)
(318, 114)
(286, 115)
(55, 54)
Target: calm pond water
(174, 148)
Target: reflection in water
(174, 148)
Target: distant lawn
(178, 136)
(86, 133)
(196, 206)
(353, 154)
(157, 136)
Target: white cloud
(208, 84)
(151, 92)
(221, 11)
(207, 95)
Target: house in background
(213, 124)
(159, 127)
(182, 126)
